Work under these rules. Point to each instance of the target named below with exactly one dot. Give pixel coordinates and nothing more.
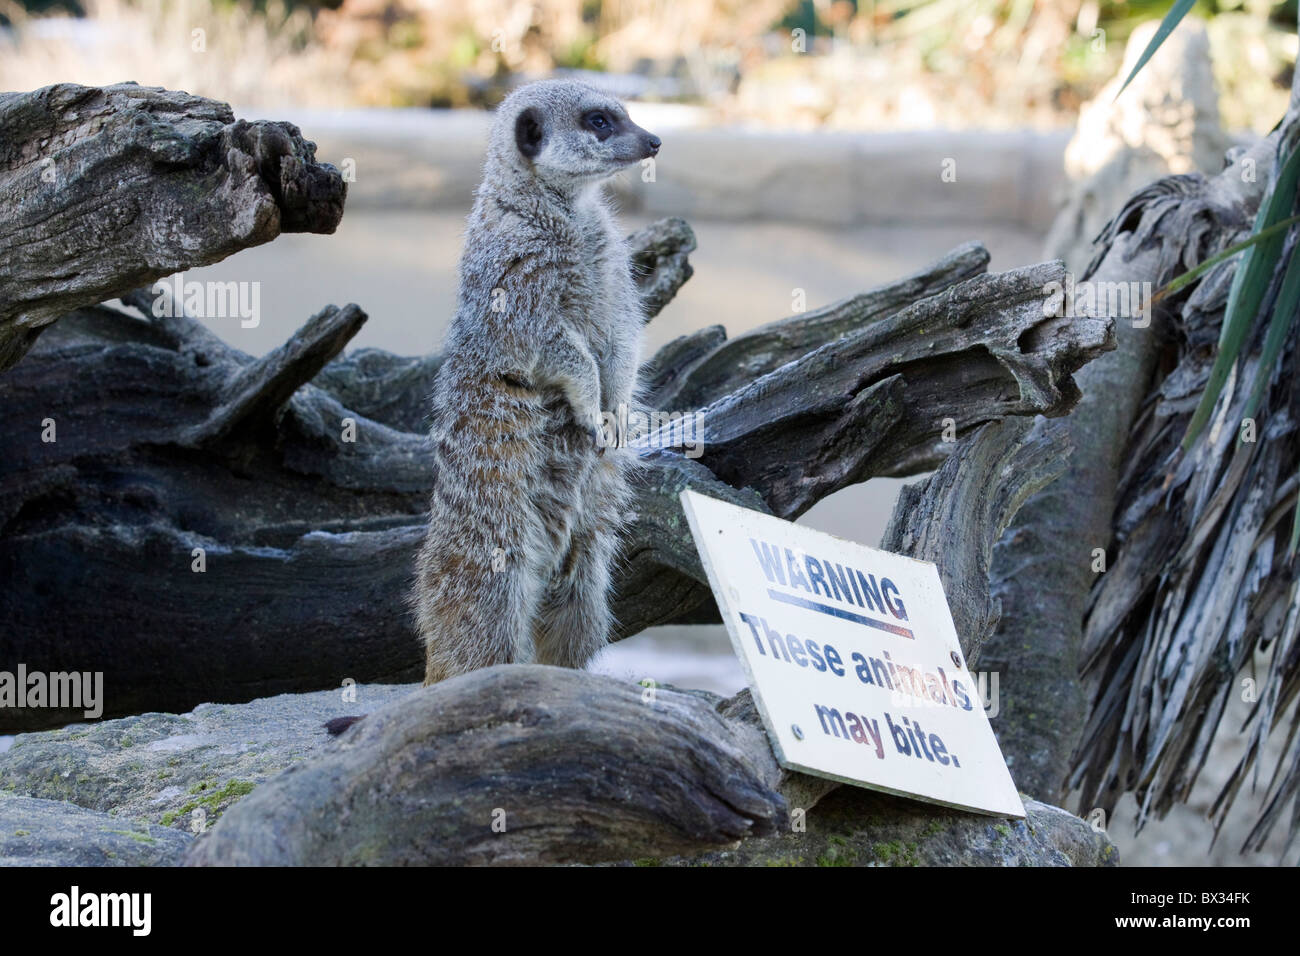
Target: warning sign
(853, 660)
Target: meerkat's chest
(599, 293)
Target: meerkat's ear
(529, 132)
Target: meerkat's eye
(599, 122)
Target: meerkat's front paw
(601, 437)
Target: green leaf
(1284, 314)
(1253, 276)
(1191, 275)
(1171, 20)
(1260, 263)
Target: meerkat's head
(567, 134)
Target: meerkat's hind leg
(476, 618)
(574, 620)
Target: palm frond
(1284, 314)
(1181, 282)
(1171, 20)
(1250, 283)
(1201, 579)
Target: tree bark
(106, 190)
(1044, 567)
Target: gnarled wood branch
(106, 190)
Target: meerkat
(529, 499)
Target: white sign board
(853, 660)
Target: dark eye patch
(599, 122)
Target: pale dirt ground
(400, 267)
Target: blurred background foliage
(804, 64)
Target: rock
(54, 833)
(513, 764)
(857, 827)
(179, 770)
(673, 778)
